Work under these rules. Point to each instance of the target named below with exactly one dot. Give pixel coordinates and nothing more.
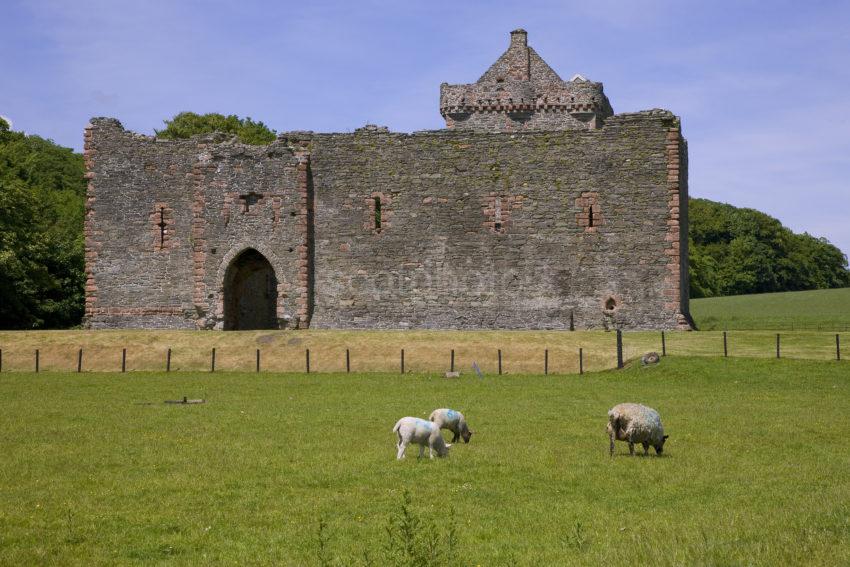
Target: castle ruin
(536, 207)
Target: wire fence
(553, 359)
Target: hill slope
(822, 309)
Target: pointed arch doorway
(250, 293)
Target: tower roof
(522, 85)
(519, 63)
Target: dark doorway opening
(250, 293)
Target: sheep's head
(466, 435)
(443, 449)
(659, 447)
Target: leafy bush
(188, 124)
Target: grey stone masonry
(571, 223)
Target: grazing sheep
(421, 432)
(635, 423)
(452, 420)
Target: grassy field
(97, 470)
(379, 351)
(823, 309)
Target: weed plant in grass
(97, 470)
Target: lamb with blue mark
(421, 432)
(452, 420)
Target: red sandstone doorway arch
(250, 293)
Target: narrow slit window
(590, 217)
(161, 224)
(377, 214)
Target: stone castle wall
(582, 228)
(214, 199)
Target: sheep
(636, 423)
(452, 420)
(421, 432)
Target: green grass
(97, 470)
(822, 309)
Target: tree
(736, 251)
(42, 194)
(188, 124)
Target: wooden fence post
(453, 361)
(837, 347)
(725, 348)
(1, 360)
(546, 361)
(663, 344)
(168, 361)
(308, 360)
(79, 361)
(402, 361)
(580, 362)
(777, 345)
(258, 360)
(347, 362)
(500, 362)
(123, 360)
(619, 348)
(36, 360)
(212, 361)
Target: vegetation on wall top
(188, 124)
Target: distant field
(96, 470)
(380, 351)
(818, 310)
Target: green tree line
(42, 203)
(735, 251)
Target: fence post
(347, 362)
(777, 345)
(452, 369)
(212, 361)
(619, 348)
(837, 347)
(663, 344)
(79, 361)
(402, 361)
(546, 361)
(580, 362)
(36, 360)
(168, 361)
(308, 360)
(258, 360)
(725, 348)
(1, 360)
(500, 362)
(123, 360)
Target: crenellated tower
(520, 91)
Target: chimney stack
(519, 37)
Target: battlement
(520, 91)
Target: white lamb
(421, 432)
(452, 420)
(636, 423)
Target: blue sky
(763, 88)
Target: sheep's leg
(611, 445)
(421, 451)
(631, 447)
(645, 448)
(401, 447)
